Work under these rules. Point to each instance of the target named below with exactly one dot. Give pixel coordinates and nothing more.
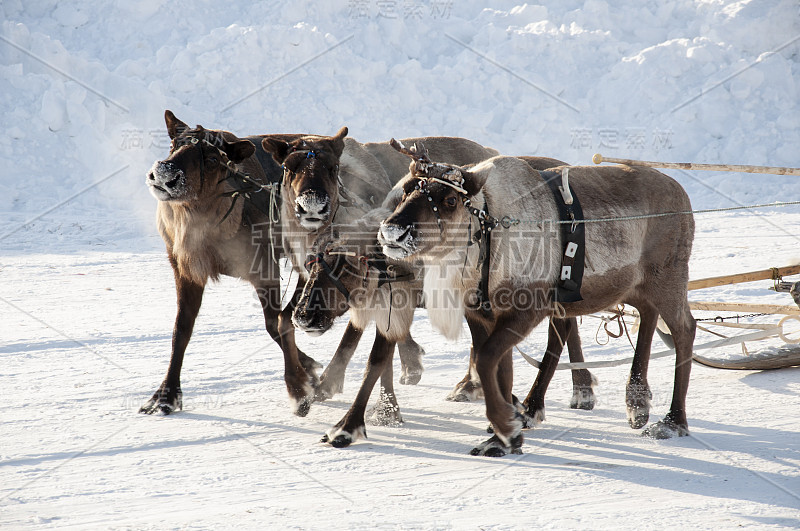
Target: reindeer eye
(450, 202)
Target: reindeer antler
(417, 151)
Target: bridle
(486, 223)
(386, 271)
(243, 184)
(386, 274)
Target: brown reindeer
(214, 216)
(638, 261)
(337, 180)
(347, 270)
(469, 388)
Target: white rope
(754, 336)
(452, 185)
(659, 215)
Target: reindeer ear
(239, 150)
(474, 180)
(174, 126)
(337, 141)
(278, 148)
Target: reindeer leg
(387, 411)
(332, 380)
(469, 388)
(683, 328)
(558, 330)
(352, 425)
(169, 397)
(637, 390)
(583, 381)
(298, 381)
(410, 361)
(506, 421)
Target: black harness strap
(574, 238)
(385, 275)
(320, 258)
(484, 258)
(483, 237)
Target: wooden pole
(777, 170)
(764, 274)
(744, 307)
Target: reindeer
(218, 214)
(641, 261)
(316, 193)
(469, 388)
(347, 270)
(215, 213)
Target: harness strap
(384, 273)
(319, 258)
(484, 303)
(573, 236)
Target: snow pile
(84, 89)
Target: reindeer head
(196, 164)
(349, 271)
(334, 276)
(311, 175)
(431, 216)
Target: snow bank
(84, 89)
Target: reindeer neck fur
(390, 306)
(521, 256)
(194, 235)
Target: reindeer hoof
(494, 447)
(411, 364)
(340, 438)
(465, 392)
(302, 407)
(637, 402)
(665, 429)
(582, 398)
(327, 389)
(163, 403)
(411, 377)
(583, 395)
(532, 418)
(385, 413)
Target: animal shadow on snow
(774, 381)
(603, 450)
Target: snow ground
(88, 302)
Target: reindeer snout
(312, 209)
(309, 322)
(166, 181)
(397, 240)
